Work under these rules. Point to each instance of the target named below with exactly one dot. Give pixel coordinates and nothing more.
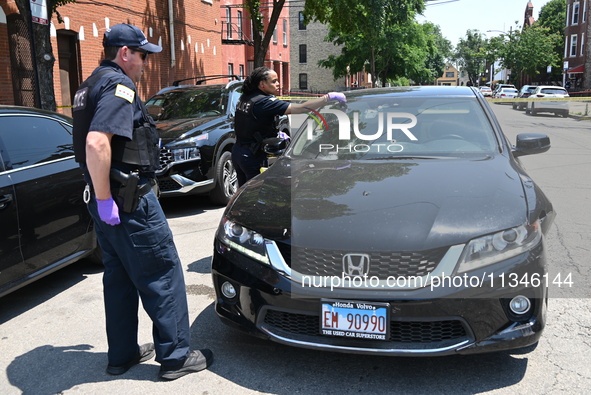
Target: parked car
(506, 93)
(45, 223)
(362, 239)
(544, 92)
(524, 93)
(499, 87)
(195, 123)
(486, 91)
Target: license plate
(355, 319)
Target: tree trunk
(43, 57)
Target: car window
(554, 91)
(418, 126)
(234, 96)
(192, 103)
(28, 140)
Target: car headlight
(186, 153)
(243, 240)
(499, 246)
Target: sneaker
(146, 352)
(196, 361)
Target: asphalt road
(52, 338)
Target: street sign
(39, 11)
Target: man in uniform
(116, 144)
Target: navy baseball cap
(131, 36)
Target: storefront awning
(578, 69)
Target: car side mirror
(531, 143)
(274, 146)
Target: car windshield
(183, 103)
(391, 127)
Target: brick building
(238, 52)
(575, 45)
(190, 33)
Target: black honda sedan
(401, 223)
(44, 221)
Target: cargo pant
(141, 262)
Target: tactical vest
(142, 152)
(249, 129)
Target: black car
(401, 223)
(196, 125)
(45, 223)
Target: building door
(69, 68)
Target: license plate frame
(355, 326)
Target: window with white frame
(575, 13)
(303, 81)
(585, 11)
(573, 45)
(275, 35)
(285, 32)
(228, 22)
(567, 13)
(582, 44)
(239, 24)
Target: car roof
(199, 87)
(430, 90)
(8, 109)
(550, 86)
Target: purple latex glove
(338, 96)
(108, 211)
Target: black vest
(249, 129)
(141, 153)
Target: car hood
(403, 205)
(174, 129)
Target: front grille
(320, 262)
(168, 184)
(422, 332)
(165, 158)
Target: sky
(455, 17)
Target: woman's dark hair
(251, 83)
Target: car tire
(514, 106)
(226, 181)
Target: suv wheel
(226, 181)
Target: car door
(47, 186)
(11, 259)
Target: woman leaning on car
(254, 120)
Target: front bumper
(423, 322)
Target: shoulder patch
(272, 98)
(125, 93)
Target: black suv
(195, 123)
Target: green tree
(364, 40)
(530, 52)
(553, 17)
(43, 56)
(470, 54)
(262, 35)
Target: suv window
(176, 104)
(29, 140)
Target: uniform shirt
(118, 109)
(263, 111)
(110, 105)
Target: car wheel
(226, 181)
(514, 106)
